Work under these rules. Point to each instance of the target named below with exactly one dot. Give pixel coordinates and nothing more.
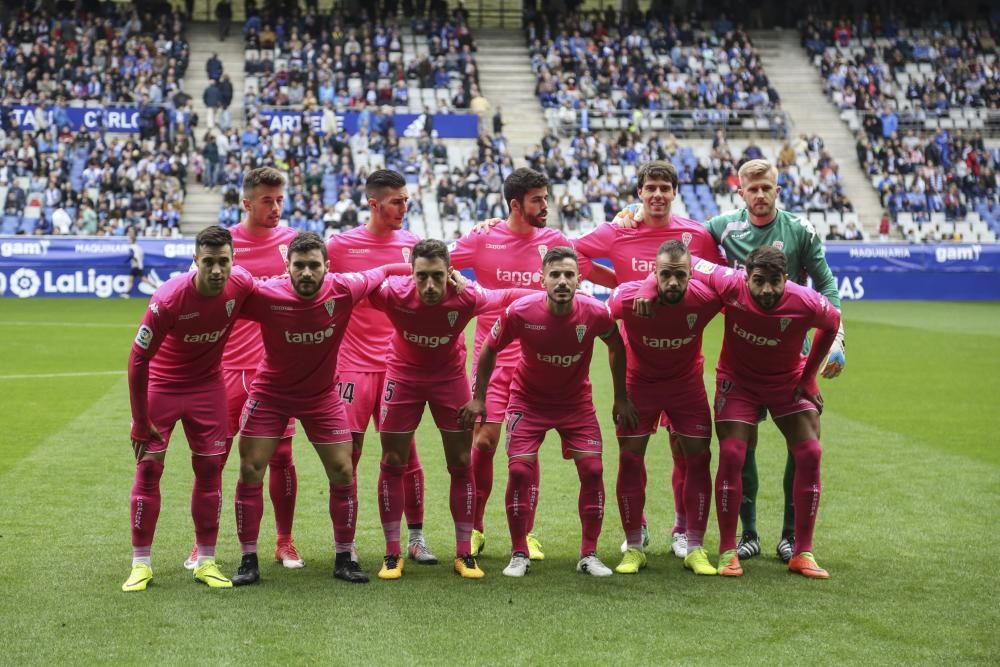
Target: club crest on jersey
(691, 319)
(329, 304)
(452, 317)
(283, 251)
(229, 307)
(581, 331)
(686, 238)
(406, 254)
(542, 249)
(784, 322)
(778, 244)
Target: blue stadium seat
(10, 224)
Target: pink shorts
(741, 401)
(577, 427)
(683, 404)
(201, 413)
(498, 394)
(323, 417)
(237, 391)
(403, 404)
(361, 393)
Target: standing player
(550, 388)
(361, 369)
(665, 375)
(426, 366)
(261, 247)
(633, 253)
(506, 256)
(761, 366)
(174, 375)
(761, 223)
(303, 316)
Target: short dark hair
(212, 237)
(268, 176)
(558, 253)
(768, 259)
(674, 249)
(381, 180)
(657, 170)
(518, 183)
(305, 242)
(430, 249)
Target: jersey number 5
(390, 387)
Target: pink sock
(536, 484)
(145, 505)
(390, 504)
(343, 513)
(462, 499)
(729, 490)
(355, 459)
(631, 495)
(206, 499)
(413, 489)
(590, 469)
(482, 468)
(677, 478)
(249, 512)
(283, 485)
(697, 497)
(521, 494)
(806, 492)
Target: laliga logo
(25, 283)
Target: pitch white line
(42, 376)
(93, 325)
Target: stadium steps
(507, 81)
(201, 209)
(800, 86)
(203, 39)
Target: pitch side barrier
(76, 266)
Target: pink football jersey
(554, 368)
(667, 345)
(302, 336)
(502, 259)
(366, 342)
(263, 257)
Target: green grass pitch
(908, 528)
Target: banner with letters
(107, 119)
(65, 266)
(449, 126)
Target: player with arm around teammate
(174, 375)
(303, 316)
(426, 366)
(665, 375)
(550, 388)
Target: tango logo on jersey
(705, 266)
(144, 337)
(426, 341)
(207, 337)
(308, 337)
(523, 278)
(643, 265)
(778, 244)
(542, 249)
(691, 319)
(753, 338)
(229, 307)
(581, 331)
(784, 322)
(452, 317)
(329, 304)
(686, 238)
(561, 360)
(283, 251)
(666, 343)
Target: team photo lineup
(273, 326)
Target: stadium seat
(10, 224)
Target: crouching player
(761, 366)
(665, 374)
(426, 365)
(551, 389)
(175, 374)
(303, 316)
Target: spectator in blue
(214, 67)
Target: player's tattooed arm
(623, 410)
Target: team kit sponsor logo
(560, 360)
(207, 337)
(308, 337)
(755, 339)
(426, 341)
(666, 343)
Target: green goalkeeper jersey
(788, 233)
